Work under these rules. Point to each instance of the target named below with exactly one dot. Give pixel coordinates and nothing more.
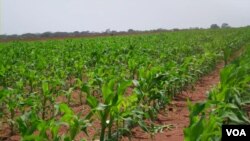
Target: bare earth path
(177, 112)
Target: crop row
(121, 80)
(228, 103)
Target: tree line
(88, 33)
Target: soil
(176, 114)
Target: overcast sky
(36, 16)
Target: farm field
(230, 102)
(100, 88)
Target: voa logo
(236, 132)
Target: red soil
(177, 113)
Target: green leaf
(123, 86)
(85, 88)
(92, 101)
(65, 109)
(45, 87)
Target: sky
(37, 16)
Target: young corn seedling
(109, 107)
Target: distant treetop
(214, 26)
(225, 25)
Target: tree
(46, 34)
(130, 30)
(225, 25)
(214, 26)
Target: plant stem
(102, 132)
(44, 107)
